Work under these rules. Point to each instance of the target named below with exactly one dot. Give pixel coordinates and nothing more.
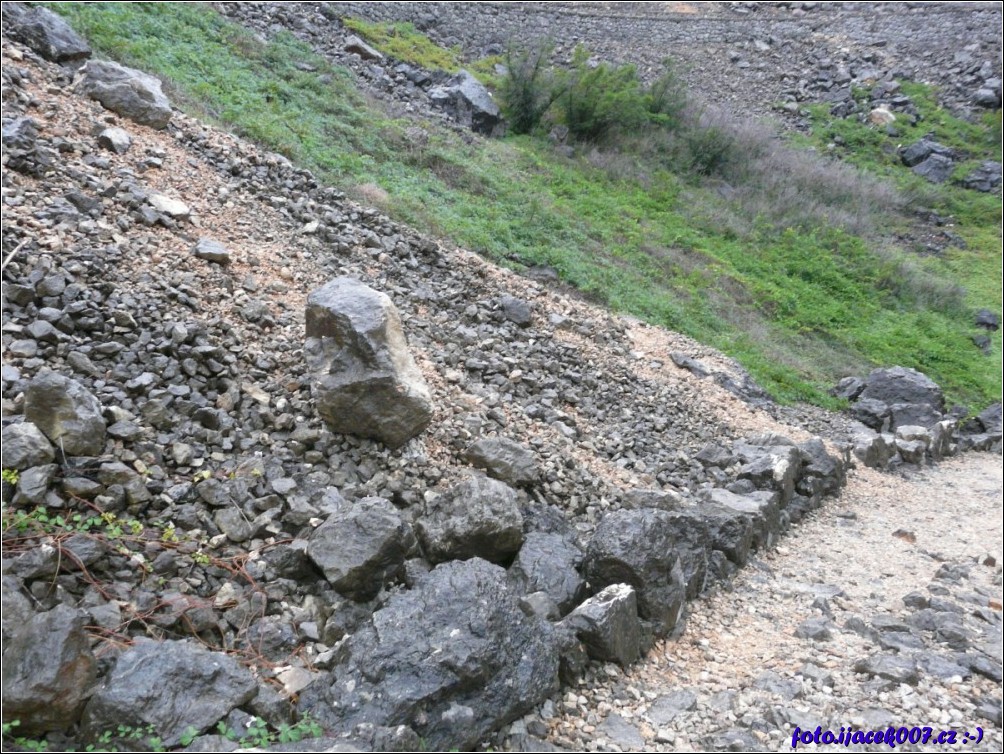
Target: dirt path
(744, 674)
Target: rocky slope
(176, 482)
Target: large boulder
(549, 563)
(364, 380)
(171, 686)
(898, 387)
(454, 658)
(505, 459)
(470, 104)
(638, 548)
(66, 413)
(762, 509)
(48, 35)
(478, 517)
(25, 446)
(362, 547)
(48, 671)
(130, 93)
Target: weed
(403, 42)
(11, 476)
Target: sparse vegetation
(785, 258)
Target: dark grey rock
(362, 547)
(454, 658)
(693, 545)
(637, 548)
(607, 625)
(621, 732)
(733, 739)
(478, 517)
(50, 36)
(903, 385)
(873, 450)
(48, 671)
(470, 104)
(25, 446)
(988, 320)
(874, 414)
(816, 629)
(990, 420)
(849, 388)
(786, 688)
(506, 460)
(212, 251)
(115, 140)
(364, 379)
(936, 168)
(549, 563)
(760, 507)
(919, 151)
(126, 91)
(890, 667)
(913, 414)
(66, 413)
(170, 685)
(985, 178)
(667, 708)
(516, 310)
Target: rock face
(66, 413)
(638, 548)
(361, 547)
(171, 685)
(364, 379)
(897, 396)
(454, 658)
(49, 35)
(48, 671)
(470, 103)
(126, 91)
(479, 517)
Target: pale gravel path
(734, 637)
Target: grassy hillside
(792, 266)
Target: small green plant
(11, 476)
(402, 41)
(258, 733)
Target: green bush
(529, 87)
(600, 101)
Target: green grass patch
(800, 302)
(403, 42)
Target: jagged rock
(894, 668)
(211, 251)
(478, 517)
(873, 450)
(990, 420)
(988, 320)
(506, 460)
(116, 140)
(898, 386)
(66, 413)
(638, 548)
(693, 545)
(516, 310)
(937, 168)
(919, 151)
(822, 473)
(849, 388)
(470, 104)
(126, 91)
(364, 380)
(987, 97)
(20, 133)
(714, 454)
(359, 47)
(170, 685)
(25, 446)
(454, 658)
(777, 469)
(49, 35)
(549, 563)
(913, 414)
(762, 509)
(666, 708)
(48, 671)
(985, 178)
(607, 624)
(362, 547)
(166, 205)
(666, 500)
